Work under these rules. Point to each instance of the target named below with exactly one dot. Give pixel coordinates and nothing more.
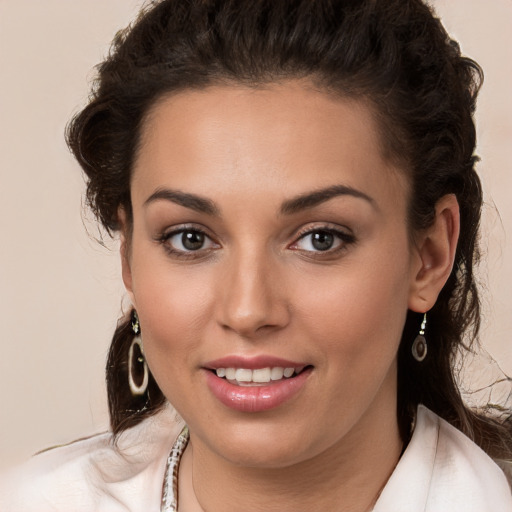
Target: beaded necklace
(170, 484)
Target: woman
(294, 187)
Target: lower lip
(256, 398)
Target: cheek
(357, 312)
(174, 306)
(355, 321)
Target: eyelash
(344, 239)
(184, 254)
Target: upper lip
(252, 363)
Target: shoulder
(441, 470)
(96, 474)
(462, 468)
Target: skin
(260, 287)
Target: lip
(252, 363)
(253, 399)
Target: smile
(258, 376)
(255, 385)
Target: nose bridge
(251, 299)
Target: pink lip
(252, 363)
(256, 398)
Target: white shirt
(440, 471)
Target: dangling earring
(419, 346)
(136, 358)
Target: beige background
(60, 291)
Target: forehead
(287, 135)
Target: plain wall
(61, 292)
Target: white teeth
(261, 375)
(243, 375)
(257, 376)
(288, 372)
(277, 373)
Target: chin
(264, 446)
(269, 457)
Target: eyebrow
(192, 201)
(289, 207)
(312, 199)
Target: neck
(347, 477)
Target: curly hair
(394, 54)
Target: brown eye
(192, 240)
(187, 240)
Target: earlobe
(435, 249)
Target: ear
(435, 253)
(124, 249)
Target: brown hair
(393, 53)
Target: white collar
(442, 470)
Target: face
(271, 269)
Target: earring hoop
(137, 359)
(419, 346)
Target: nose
(253, 296)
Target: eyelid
(344, 234)
(169, 233)
(325, 226)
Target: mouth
(258, 376)
(252, 385)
